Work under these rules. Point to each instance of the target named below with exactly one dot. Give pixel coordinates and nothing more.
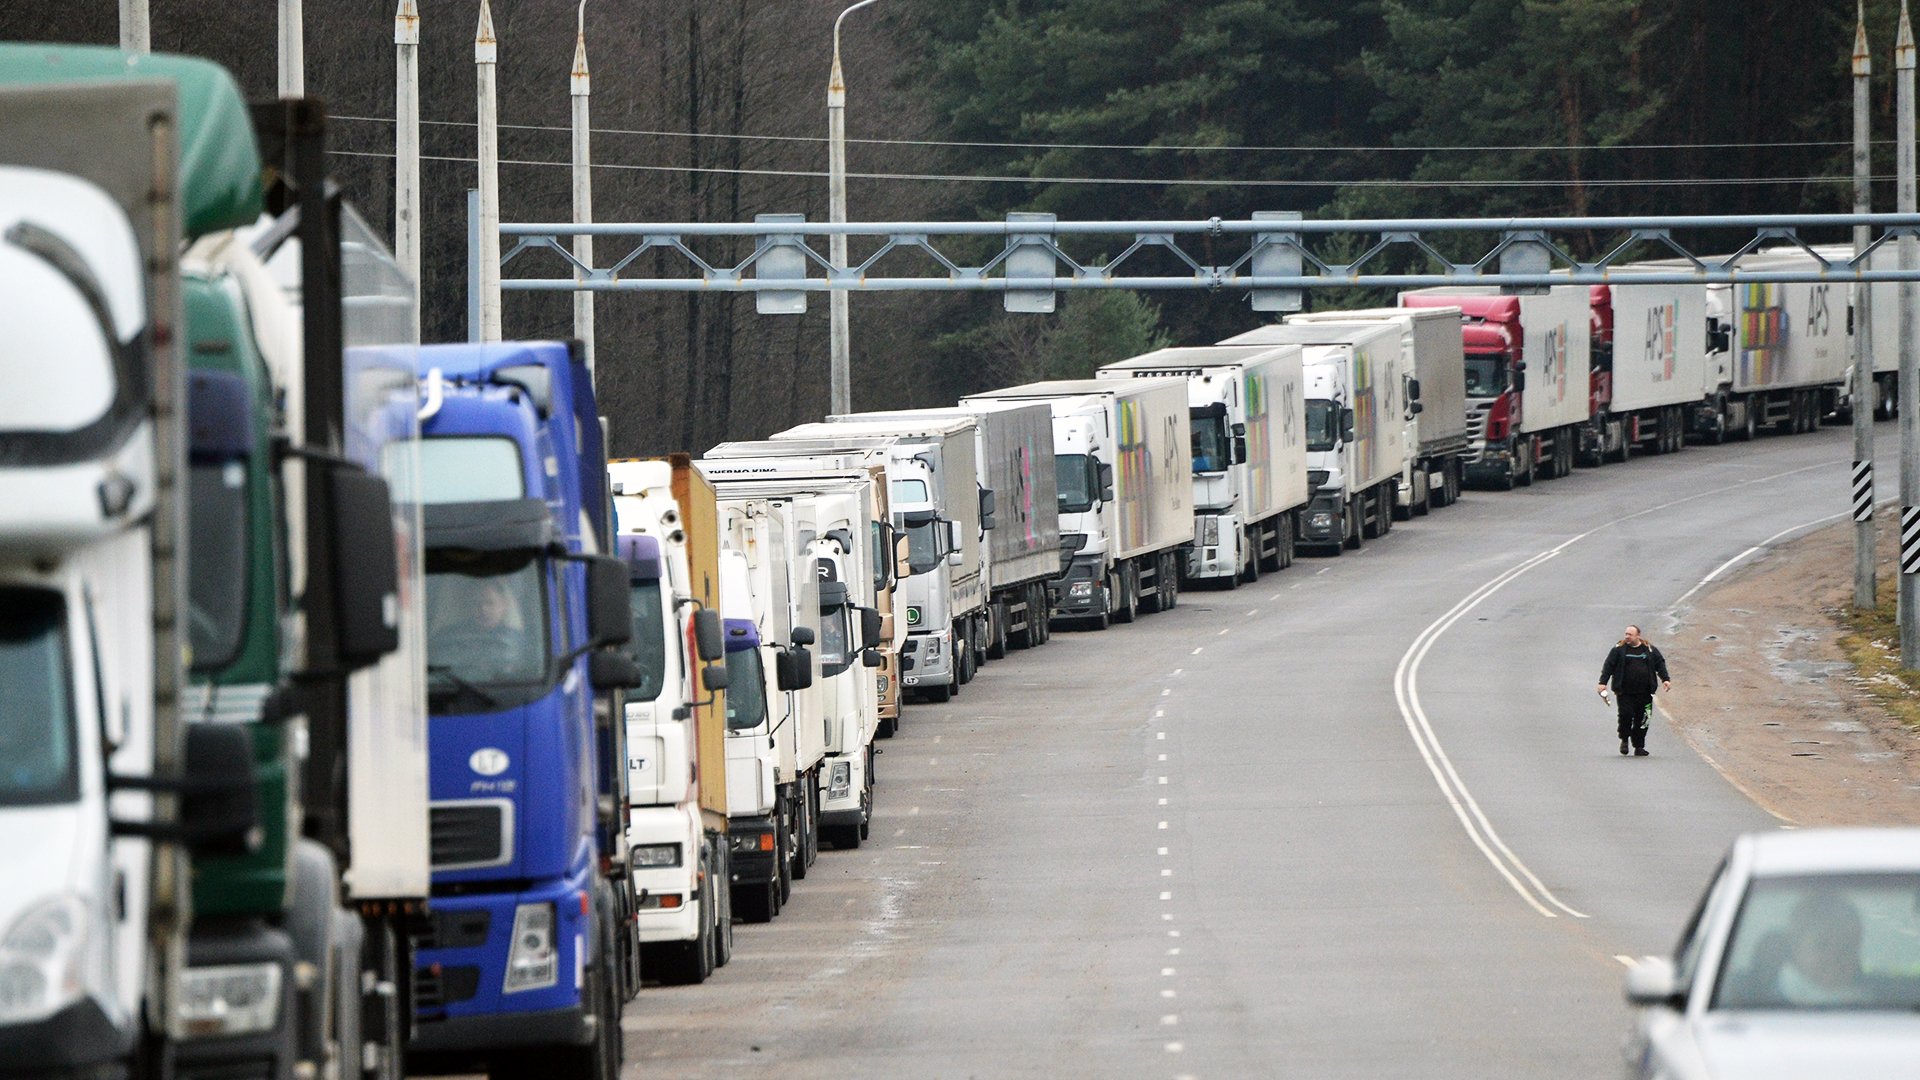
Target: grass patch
(1872, 642)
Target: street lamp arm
(836, 25)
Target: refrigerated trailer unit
(1123, 472)
(1649, 368)
(1020, 517)
(1246, 417)
(1432, 339)
(1529, 386)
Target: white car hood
(1857, 1046)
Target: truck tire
(997, 631)
(723, 908)
(596, 1060)
(1170, 582)
(1350, 539)
(1042, 605)
(1422, 492)
(939, 694)
(757, 905)
(1129, 591)
(1251, 540)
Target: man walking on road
(1635, 668)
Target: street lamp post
(406, 142)
(1909, 393)
(840, 381)
(582, 88)
(293, 50)
(486, 56)
(136, 29)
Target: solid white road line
(1406, 691)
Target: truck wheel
(597, 1060)
(1129, 592)
(1170, 582)
(1422, 492)
(758, 905)
(723, 910)
(1350, 539)
(997, 631)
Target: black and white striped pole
(1865, 583)
(1909, 357)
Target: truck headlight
(751, 841)
(229, 999)
(841, 780)
(880, 682)
(40, 960)
(1209, 531)
(650, 856)
(1080, 590)
(1320, 519)
(532, 961)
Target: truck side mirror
(902, 557)
(709, 637)
(366, 569)
(986, 508)
(714, 677)
(612, 671)
(793, 668)
(869, 626)
(1418, 408)
(220, 809)
(609, 601)
(1239, 449)
(1346, 424)
(802, 635)
(955, 538)
(1413, 389)
(1519, 382)
(872, 658)
(1106, 479)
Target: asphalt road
(1363, 818)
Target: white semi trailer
(1433, 340)
(1247, 433)
(1122, 467)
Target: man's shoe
(1641, 752)
(1623, 748)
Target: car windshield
(486, 623)
(37, 760)
(216, 561)
(923, 546)
(1825, 942)
(648, 646)
(1210, 444)
(1322, 428)
(1486, 374)
(746, 690)
(1075, 482)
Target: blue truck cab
(528, 955)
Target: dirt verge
(1766, 690)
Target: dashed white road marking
(1163, 824)
(1196, 651)
(1169, 1020)
(1163, 779)
(1169, 993)
(1251, 612)
(1159, 734)
(1163, 757)
(1163, 851)
(1168, 692)
(1627, 960)
(1163, 802)
(1166, 972)
(1165, 872)
(1224, 631)
(1174, 1048)
(1175, 951)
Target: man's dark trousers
(1633, 718)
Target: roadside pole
(1909, 393)
(1865, 585)
(486, 56)
(293, 50)
(136, 30)
(406, 148)
(582, 87)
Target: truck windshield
(1073, 473)
(216, 561)
(907, 491)
(1323, 428)
(37, 760)
(1210, 444)
(486, 629)
(923, 545)
(648, 646)
(746, 690)
(1486, 374)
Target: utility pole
(406, 148)
(1909, 393)
(1865, 585)
(293, 50)
(839, 376)
(136, 30)
(582, 86)
(486, 56)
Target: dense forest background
(714, 110)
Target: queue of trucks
(364, 716)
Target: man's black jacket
(1634, 669)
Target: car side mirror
(609, 601)
(612, 671)
(793, 668)
(366, 568)
(709, 636)
(869, 626)
(1652, 983)
(1239, 449)
(872, 658)
(802, 635)
(714, 677)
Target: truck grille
(437, 986)
(1315, 478)
(453, 930)
(470, 834)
